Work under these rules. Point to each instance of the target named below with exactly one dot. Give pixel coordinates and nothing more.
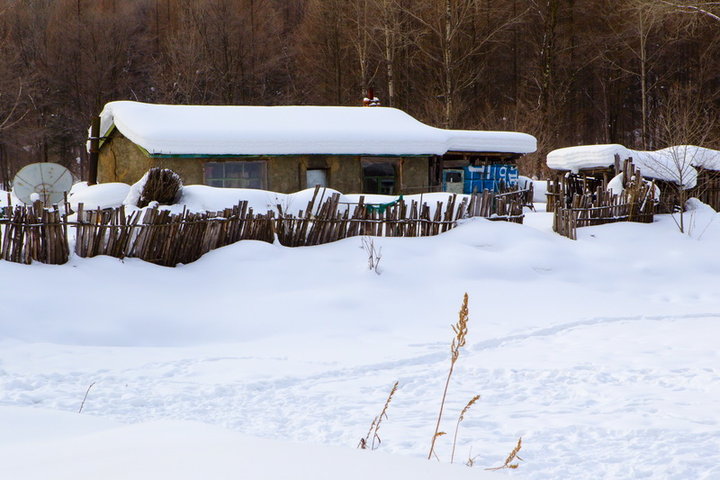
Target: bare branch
(693, 9)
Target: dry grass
(374, 254)
(513, 456)
(460, 329)
(457, 425)
(470, 462)
(369, 440)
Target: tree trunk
(389, 53)
(447, 65)
(643, 79)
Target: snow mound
(104, 195)
(189, 451)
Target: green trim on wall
(145, 152)
(104, 138)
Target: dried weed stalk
(372, 434)
(457, 425)
(374, 254)
(87, 392)
(513, 455)
(471, 459)
(460, 329)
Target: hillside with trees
(567, 71)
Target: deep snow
(601, 353)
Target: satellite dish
(47, 182)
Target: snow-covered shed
(693, 168)
(678, 164)
(288, 148)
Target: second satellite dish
(47, 182)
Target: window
(453, 180)
(246, 174)
(379, 175)
(316, 176)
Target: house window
(246, 174)
(316, 177)
(379, 175)
(453, 180)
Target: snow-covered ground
(261, 361)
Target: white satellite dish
(47, 182)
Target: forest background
(570, 72)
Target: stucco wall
(415, 174)
(283, 174)
(122, 161)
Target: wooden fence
(165, 238)
(708, 188)
(33, 233)
(635, 204)
(562, 189)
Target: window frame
(242, 181)
(377, 180)
(327, 177)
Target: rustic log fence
(564, 187)
(166, 238)
(34, 233)
(708, 188)
(636, 204)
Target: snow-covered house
(289, 148)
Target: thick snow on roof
(673, 164)
(286, 130)
(586, 156)
(696, 156)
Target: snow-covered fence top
(673, 164)
(288, 130)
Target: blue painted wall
(488, 177)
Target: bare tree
(457, 34)
(685, 127)
(548, 67)
(702, 8)
(223, 51)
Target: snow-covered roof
(586, 156)
(674, 164)
(696, 156)
(287, 130)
